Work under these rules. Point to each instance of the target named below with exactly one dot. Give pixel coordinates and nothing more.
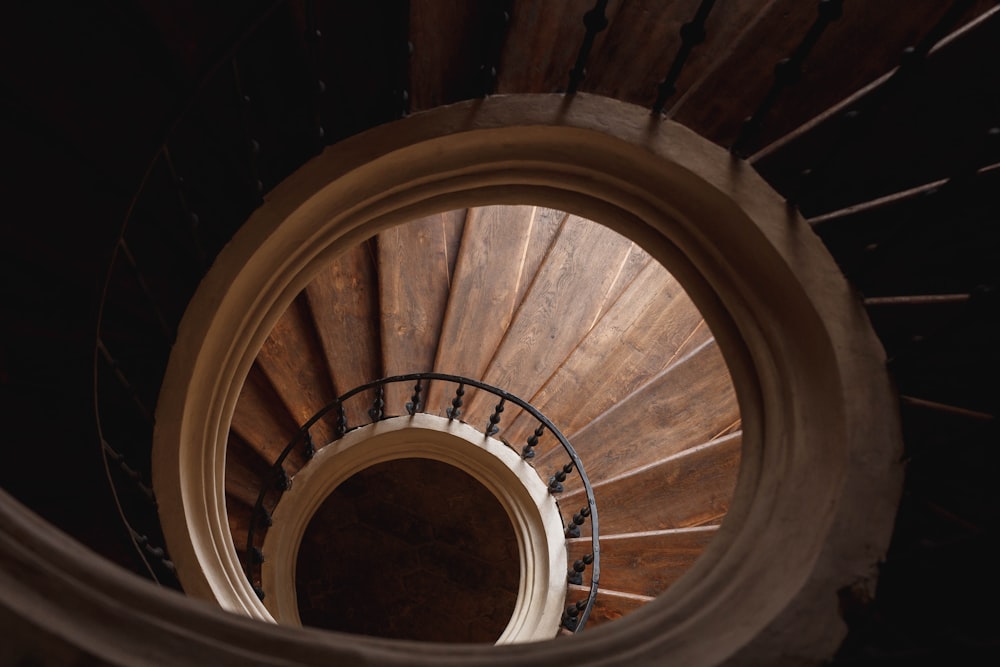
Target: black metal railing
(278, 480)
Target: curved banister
(576, 615)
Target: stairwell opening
(410, 549)
(810, 510)
(563, 311)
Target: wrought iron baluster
(252, 145)
(147, 294)
(129, 388)
(376, 412)
(528, 451)
(157, 553)
(571, 617)
(692, 34)
(194, 222)
(860, 117)
(308, 447)
(264, 517)
(282, 481)
(595, 21)
(575, 576)
(312, 37)
(787, 71)
(129, 471)
(341, 420)
(556, 481)
(255, 555)
(414, 405)
(573, 527)
(492, 428)
(497, 21)
(455, 411)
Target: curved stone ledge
(533, 512)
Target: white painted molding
(533, 512)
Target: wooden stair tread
(545, 225)
(647, 329)
(262, 421)
(562, 305)
(414, 282)
(343, 299)
(692, 488)
(292, 359)
(483, 292)
(610, 605)
(686, 405)
(644, 563)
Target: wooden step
(414, 280)
(246, 474)
(263, 422)
(343, 299)
(644, 563)
(652, 325)
(293, 361)
(692, 488)
(487, 275)
(686, 405)
(610, 605)
(572, 288)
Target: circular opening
(410, 549)
(811, 505)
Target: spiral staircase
(598, 336)
(878, 125)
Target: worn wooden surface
(646, 330)
(563, 303)
(684, 406)
(483, 292)
(693, 488)
(414, 283)
(610, 605)
(886, 148)
(870, 35)
(644, 563)
(344, 302)
(262, 421)
(546, 223)
(292, 359)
